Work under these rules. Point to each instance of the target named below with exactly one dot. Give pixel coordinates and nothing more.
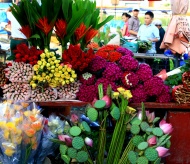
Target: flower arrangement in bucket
(144, 46)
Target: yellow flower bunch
(49, 70)
(122, 92)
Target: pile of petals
(69, 91)
(109, 53)
(16, 91)
(127, 73)
(27, 55)
(19, 72)
(48, 94)
(77, 58)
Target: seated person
(149, 32)
(158, 24)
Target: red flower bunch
(26, 55)
(109, 53)
(77, 58)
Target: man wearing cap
(158, 24)
(133, 23)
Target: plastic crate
(133, 46)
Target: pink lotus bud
(88, 141)
(63, 137)
(152, 141)
(68, 141)
(166, 127)
(74, 118)
(150, 116)
(162, 151)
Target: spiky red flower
(26, 30)
(60, 28)
(44, 25)
(90, 34)
(80, 32)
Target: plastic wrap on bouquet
(51, 131)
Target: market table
(152, 56)
(177, 114)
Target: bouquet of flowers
(149, 142)
(144, 46)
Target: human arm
(124, 30)
(130, 27)
(156, 35)
(139, 33)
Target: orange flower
(80, 32)
(26, 30)
(60, 28)
(37, 125)
(90, 34)
(44, 25)
(24, 104)
(34, 146)
(30, 132)
(32, 118)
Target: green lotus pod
(66, 159)
(115, 113)
(142, 145)
(82, 156)
(92, 114)
(135, 129)
(168, 144)
(85, 127)
(144, 125)
(75, 131)
(72, 153)
(137, 140)
(132, 157)
(142, 160)
(100, 104)
(149, 130)
(136, 121)
(63, 149)
(151, 154)
(77, 142)
(157, 132)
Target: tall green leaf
(104, 22)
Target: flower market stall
(109, 86)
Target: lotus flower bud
(74, 118)
(162, 151)
(152, 141)
(166, 127)
(88, 141)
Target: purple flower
(87, 79)
(154, 86)
(144, 72)
(112, 72)
(165, 95)
(87, 93)
(130, 80)
(105, 82)
(128, 63)
(139, 94)
(97, 63)
(125, 51)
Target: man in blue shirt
(149, 32)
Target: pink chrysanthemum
(125, 51)
(128, 63)
(130, 80)
(144, 72)
(165, 95)
(139, 94)
(97, 63)
(112, 72)
(87, 79)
